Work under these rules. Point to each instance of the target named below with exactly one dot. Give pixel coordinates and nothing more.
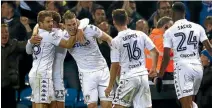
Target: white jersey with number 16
(128, 49)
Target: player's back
(43, 54)
(131, 44)
(184, 37)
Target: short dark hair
(42, 15)
(96, 7)
(208, 20)
(179, 7)
(120, 16)
(162, 21)
(56, 16)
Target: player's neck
(179, 18)
(121, 28)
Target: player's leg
(103, 81)
(198, 74)
(184, 83)
(143, 97)
(126, 92)
(42, 92)
(89, 88)
(186, 102)
(59, 94)
(41, 105)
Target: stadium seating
(25, 96)
(70, 97)
(80, 102)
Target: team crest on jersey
(36, 49)
(87, 98)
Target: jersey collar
(42, 31)
(181, 20)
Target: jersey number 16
(134, 53)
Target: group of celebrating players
(49, 45)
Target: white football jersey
(44, 53)
(60, 54)
(128, 49)
(184, 37)
(88, 56)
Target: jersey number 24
(192, 40)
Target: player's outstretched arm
(33, 40)
(154, 54)
(71, 41)
(113, 74)
(106, 37)
(165, 61)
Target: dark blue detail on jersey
(81, 45)
(135, 53)
(189, 41)
(36, 49)
(179, 47)
(194, 42)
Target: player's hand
(35, 39)
(80, 36)
(153, 72)
(158, 83)
(107, 91)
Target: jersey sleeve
(148, 42)
(167, 42)
(56, 38)
(203, 35)
(96, 31)
(114, 52)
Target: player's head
(120, 17)
(4, 34)
(70, 22)
(45, 20)
(164, 23)
(178, 11)
(56, 18)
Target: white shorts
(42, 89)
(59, 90)
(94, 84)
(187, 78)
(134, 91)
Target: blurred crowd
(151, 17)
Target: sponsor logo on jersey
(81, 45)
(187, 91)
(188, 55)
